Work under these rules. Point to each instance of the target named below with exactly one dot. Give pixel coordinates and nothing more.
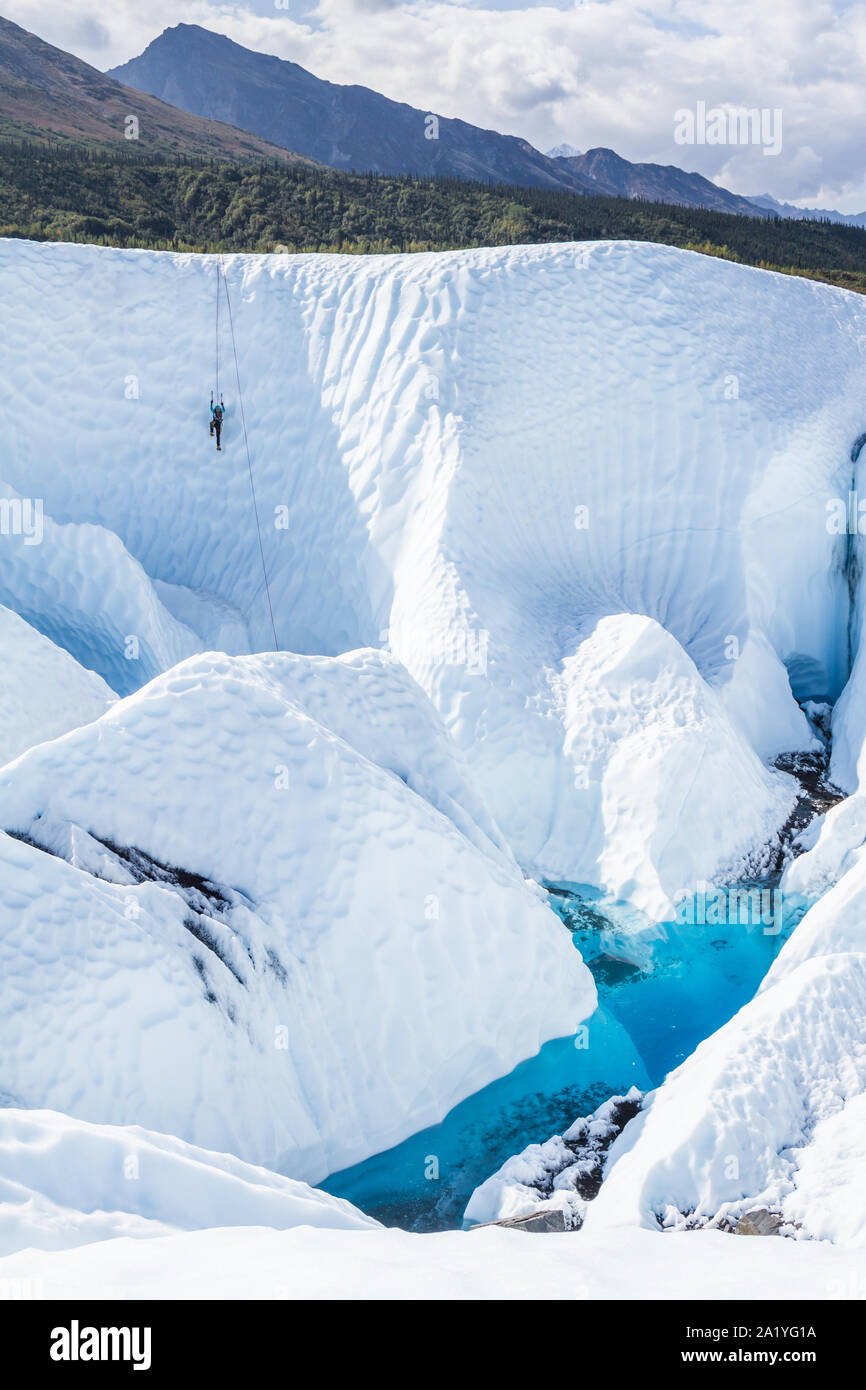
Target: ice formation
(233, 914)
(548, 536)
(66, 1183)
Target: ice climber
(216, 421)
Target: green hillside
(67, 193)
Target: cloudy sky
(594, 72)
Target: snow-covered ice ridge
(262, 892)
(65, 1183)
(576, 499)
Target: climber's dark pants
(216, 427)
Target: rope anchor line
(221, 275)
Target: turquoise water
(662, 989)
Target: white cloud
(605, 72)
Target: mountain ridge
(47, 94)
(849, 219)
(356, 129)
(348, 127)
(619, 177)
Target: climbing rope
(222, 275)
(217, 335)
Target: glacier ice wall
(472, 458)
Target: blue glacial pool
(662, 989)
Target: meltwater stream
(662, 989)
